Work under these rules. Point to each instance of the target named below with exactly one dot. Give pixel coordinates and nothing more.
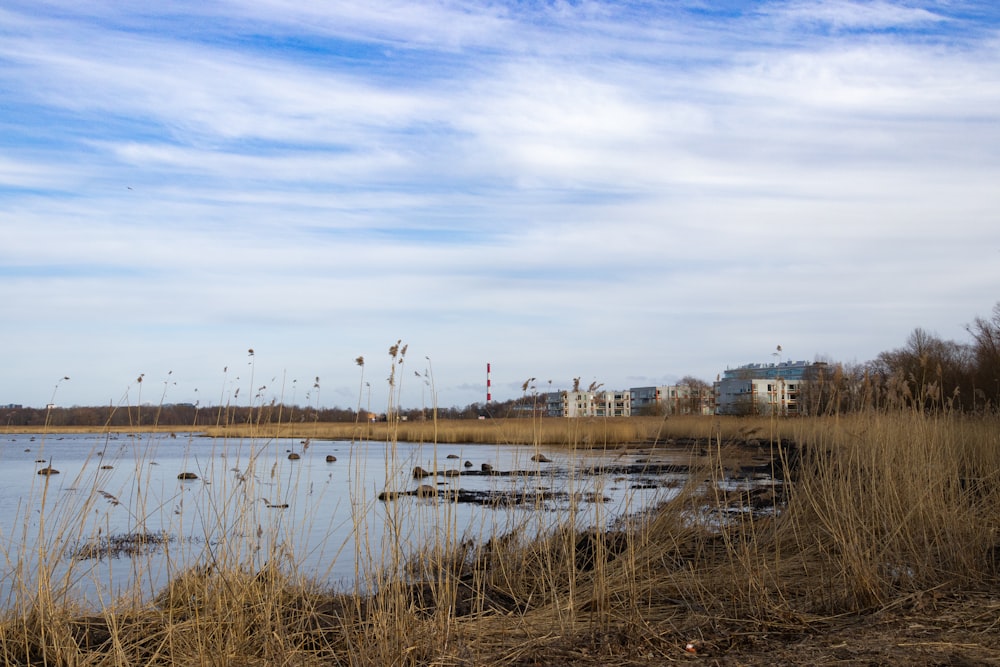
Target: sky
(624, 192)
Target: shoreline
(588, 432)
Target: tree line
(188, 414)
(926, 373)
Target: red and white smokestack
(488, 383)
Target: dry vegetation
(585, 432)
(575, 432)
(883, 549)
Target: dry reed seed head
(360, 361)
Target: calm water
(251, 503)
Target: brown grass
(585, 432)
(888, 533)
(546, 431)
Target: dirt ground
(962, 629)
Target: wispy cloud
(640, 190)
(841, 15)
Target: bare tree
(699, 394)
(986, 357)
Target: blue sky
(622, 192)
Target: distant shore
(583, 432)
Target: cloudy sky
(625, 192)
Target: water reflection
(124, 512)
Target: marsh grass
(873, 513)
(582, 433)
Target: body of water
(117, 519)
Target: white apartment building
(588, 404)
(613, 404)
(763, 389)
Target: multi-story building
(647, 399)
(671, 400)
(664, 400)
(570, 403)
(588, 404)
(763, 389)
(613, 404)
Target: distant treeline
(927, 373)
(188, 414)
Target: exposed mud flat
(120, 545)
(751, 475)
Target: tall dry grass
(881, 509)
(589, 432)
(871, 510)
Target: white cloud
(841, 14)
(202, 92)
(17, 173)
(530, 186)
